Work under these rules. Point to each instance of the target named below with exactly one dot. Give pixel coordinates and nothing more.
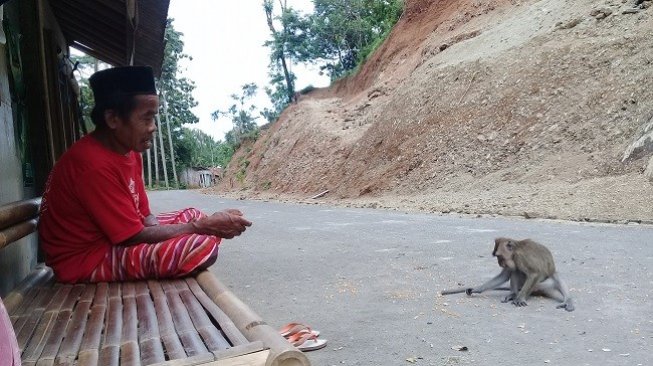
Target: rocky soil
(526, 108)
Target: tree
(85, 66)
(178, 89)
(339, 36)
(242, 115)
(175, 93)
(200, 149)
(288, 42)
(342, 33)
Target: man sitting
(95, 221)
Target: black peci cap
(127, 80)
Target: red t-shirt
(94, 198)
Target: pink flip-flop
(306, 341)
(293, 328)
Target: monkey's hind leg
(567, 302)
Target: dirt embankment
(481, 107)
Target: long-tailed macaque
(529, 267)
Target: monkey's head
(503, 250)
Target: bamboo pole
(13, 213)
(11, 234)
(282, 353)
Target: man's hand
(150, 221)
(225, 224)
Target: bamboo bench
(191, 321)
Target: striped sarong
(172, 258)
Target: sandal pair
(302, 337)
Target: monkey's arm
(492, 284)
(531, 281)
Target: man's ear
(111, 118)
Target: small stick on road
(320, 194)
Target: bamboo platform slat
(148, 327)
(77, 323)
(171, 341)
(113, 317)
(213, 338)
(18, 319)
(89, 343)
(129, 350)
(226, 324)
(40, 276)
(46, 323)
(164, 323)
(188, 335)
(35, 311)
(56, 335)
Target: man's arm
(225, 224)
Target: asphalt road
(369, 281)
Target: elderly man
(95, 221)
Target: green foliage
(177, 91)
(86, 65)
(199, 149)
(344, 33)
(339, 36)
(243, 116)
(243, 163)
(278, 94)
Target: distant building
(201, 177)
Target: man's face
(137, 132)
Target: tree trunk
(172, 150)
(281, 55)
(149, 168)
(163, 154)
(156, 163)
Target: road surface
(369, 281)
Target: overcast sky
(225, 39)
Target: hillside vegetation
(477, 106)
